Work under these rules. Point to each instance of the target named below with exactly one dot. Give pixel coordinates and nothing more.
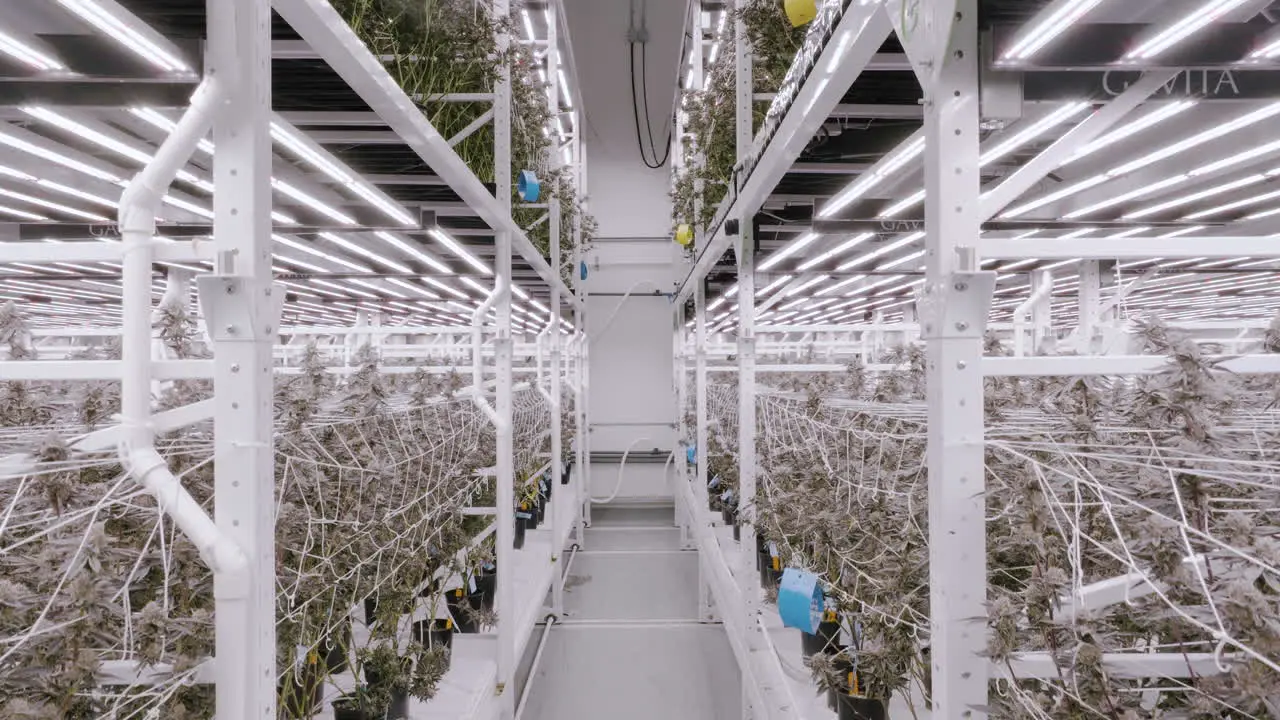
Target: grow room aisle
(631, 645)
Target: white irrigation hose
(617, 488)
(623, 301)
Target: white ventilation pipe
(139, 204)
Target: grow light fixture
(28, 55)
(316, 252)
(23, 214)
(1056, 19)
(878, 252)
(323, 208)
(1161, 154)
(52, 205)
(839, 249)
(109, 17)
(454, 247)
(564, 90)
(317, 158)
(1196, 196)
(1128, 233)
(365, 252)
(860, 187)
(842, 284)
(806, 285)
(903, 205)
(1183, 28)
(1182, 231)
(903, 260)
(17, 143)
(794, 247)
(1035, 130)
(1158, 116)
(772, 286)
(417, 254)
(445, 287)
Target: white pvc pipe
(138, 206)
(1022, 312)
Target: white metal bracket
(231, 310)
(958, 307)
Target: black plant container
(531, 507)
(461, 609)
(762, 551)
(545, 486)
(843, 667)
(540, 507)
(522, 525)
(850, 707)
(566, 473)
(333, 648)
(370, 610)
(826, 640)
(348, 707)
(737, 530)
(728, 513)
(486, 586)
(434, 633)
(398, 709)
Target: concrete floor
(631, 646)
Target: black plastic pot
(459, 607)
(487, 586)
(522, 525)
(348, 707)
(844, 686)
(728, 513)
(370, 610)
(545, 485)
(566, 473)
(398, 709)
(850, 707)
(302, 698)
(762, 551)
(540, 507)
(737, 530)
(531, 507)
(434, 633)
(826, 640)
(333, 648)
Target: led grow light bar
(1183, 28)
(1041, 32)
(28, 55)
(109, 17)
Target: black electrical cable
(655, 163)
(644, 90)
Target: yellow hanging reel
(684, 235)
(801, 12)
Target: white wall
(632, 396)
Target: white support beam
(856, 38)
(45, 370)
(1071, 365)
(1113, 591)
(1119, 666)
(318, 23)
(1088, 130)
(1132, 248)
(35, 252)
(943, 44)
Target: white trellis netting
(1125, 517)
(370, 480)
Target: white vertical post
(505, 479)
(957, 304)
(746, 555)
(562, 505)
(1041, 310)
(684, 515)
(244, 476)
(1090, 297)
(700, 393)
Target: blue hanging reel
(800, 600)
(527, 186)
(582, 269)
(691, 454)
